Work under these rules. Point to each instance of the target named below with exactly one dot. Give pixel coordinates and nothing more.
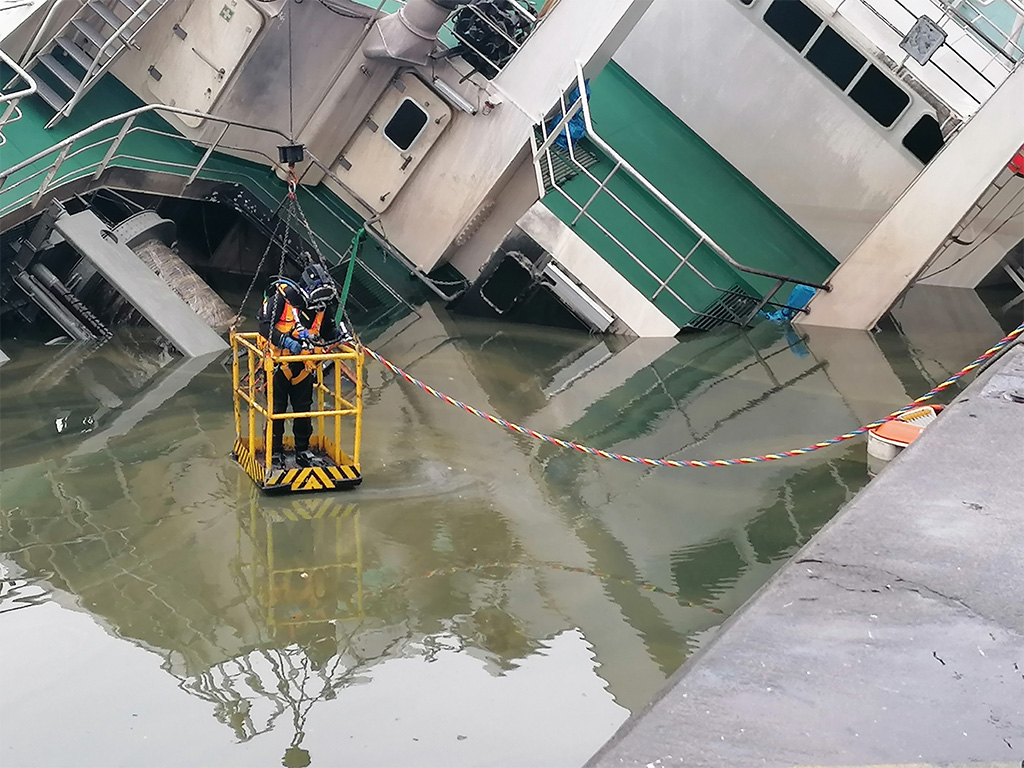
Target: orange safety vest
(287, 323)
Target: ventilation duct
(408, 36)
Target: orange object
(906, 428)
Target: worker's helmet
(319, 287)
(318, 298)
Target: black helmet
(318, 298)
(315, 275)
(319, 287)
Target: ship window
(794, 21)
(924, 140)
(837, 59)
(879, 96)
(406, 125)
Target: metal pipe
(82, 313)
(54, 309)
(409, 34)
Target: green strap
(351, 270)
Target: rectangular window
(406, 125)
(837, 59)
(879, 96)
(794, 21)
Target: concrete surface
(895, 637)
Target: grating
(733, 306)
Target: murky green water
(481, 600)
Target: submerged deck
(893, 637)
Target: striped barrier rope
(695, 463)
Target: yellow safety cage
(336, 417)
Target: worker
(297, 318)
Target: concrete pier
(895, 637)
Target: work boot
(308, 459)
(277, 461)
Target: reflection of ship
(159, 537)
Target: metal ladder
(70, 64)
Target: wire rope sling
(304, 355)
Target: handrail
(81, 90)
(12, 99)
(62, 148)
(516, 45)
(32, 47)
(660, 196)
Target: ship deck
(735, 213)
(331, 219)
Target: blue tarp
(799, 298)
(577, 127)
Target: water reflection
(478, 587)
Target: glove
(303, 334)
(290, 344)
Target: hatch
(393, 140)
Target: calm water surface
(482, 600)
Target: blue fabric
(796, 344)
(799, 298)
(577, 127)
(291, 345)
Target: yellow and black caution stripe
(320, 509)
(299, 479)
(247, 460)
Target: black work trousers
(301, 397)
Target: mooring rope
(696, 463)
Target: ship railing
(9, 101)
(123, 37)
(51, 168)
(986, 39)
(542, 157)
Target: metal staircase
(68, 66)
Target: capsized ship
(640, 167)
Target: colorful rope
(698, 464)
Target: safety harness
(285, 324)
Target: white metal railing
(65, 150)
(973, 59)
(123, 39)
(9, 101)
(542, 156)
(1005, 43)
(41, 29)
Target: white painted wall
(589, 267)
(478, 151)
(959, 82)
(866, 285)
(780, 122)
(997, 228)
